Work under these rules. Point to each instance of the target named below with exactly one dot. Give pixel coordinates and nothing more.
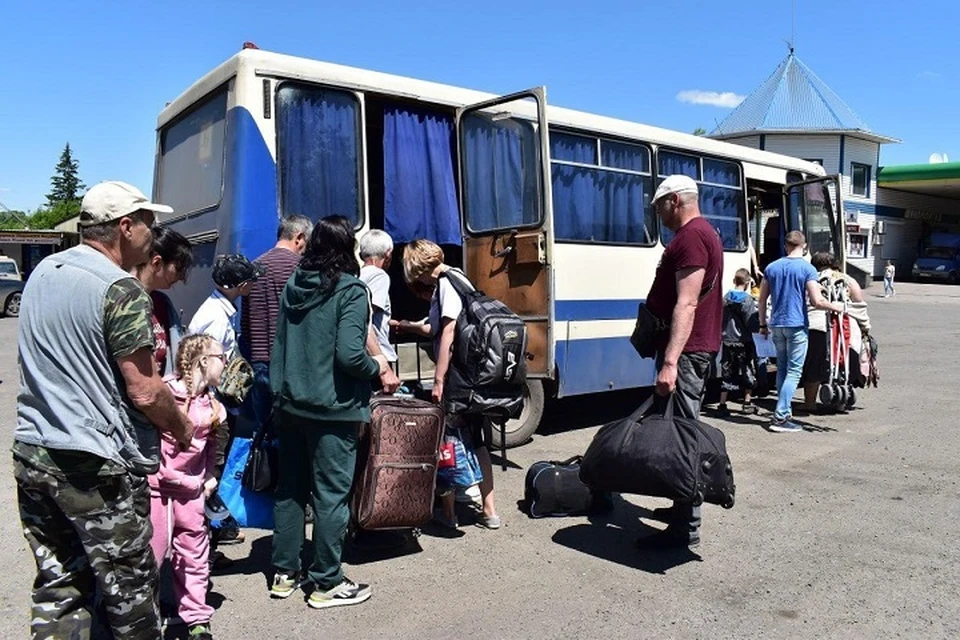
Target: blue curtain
(570, 148)
(601, 206)
(318, 149)
(721, 206)
(676, 163)
(624, 156)
(720, 172)
(420, 193)
(501, 173)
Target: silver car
(10, 292)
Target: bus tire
(521, 429)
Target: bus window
(318, 152)
(191, 158)
(501, 172)
(721, 194)
(601, 190)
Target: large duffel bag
(554, 489)
(396, 472)
(661, 455)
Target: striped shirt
(258, 319)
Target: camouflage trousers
(90, 538)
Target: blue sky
(97, 74)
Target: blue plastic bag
(250, 508)
(466, 470)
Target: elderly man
(686, 291)
(89, 387)
(376, 252)
(258, 314)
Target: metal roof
(792, 100)
(941, 179)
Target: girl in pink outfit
(185, 479)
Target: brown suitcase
(397, 464)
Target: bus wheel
(522, 428)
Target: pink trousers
(180, 534)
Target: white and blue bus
(547, 209)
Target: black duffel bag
(661, 455)
(555, 489)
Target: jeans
(888, 287)
(259, 401)
(791, 345)
(693, 369)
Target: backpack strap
(461, 283)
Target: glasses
(222, 357)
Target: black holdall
(555, 489)
(661, 455)
(263, 467)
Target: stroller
(838, 392)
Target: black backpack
(489, 367)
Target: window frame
(224, 89)
(868, 169)
(742, 209)
(360, 129)
(598, 139)
(865, 246)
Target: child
(738, 367)
(186, 479)
(462, 472)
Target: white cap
(108, 201)
(675, 184)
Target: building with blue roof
(794, 112)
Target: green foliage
(49, 217)
(14, 220)
(699, 131)
(65, 183)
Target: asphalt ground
(848, 530)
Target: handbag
(661, 455)
(262, 469)
(250, 508)
(648, 331)
(554, 489)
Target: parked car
(10, 292)
(9, 269)
(940, 260)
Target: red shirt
(161, 322)
(696, 244)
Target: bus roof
(276, 65)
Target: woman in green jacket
(320, 376)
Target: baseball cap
(233, 270)
(110, 200)
(675, 184)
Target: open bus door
(505, 201)
(815, 208)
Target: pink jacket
(182, 473)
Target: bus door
(815, 208)
(505, 202)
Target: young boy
(738, 364)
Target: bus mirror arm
(503, 253)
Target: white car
(9, 269)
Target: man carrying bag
(687, 297)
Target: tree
(65, 183)
(699, 131)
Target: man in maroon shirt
(686, 292)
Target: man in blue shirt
(786, 281)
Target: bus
(546, 209)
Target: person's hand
(667, 379)
(437, 394)
(209, 487)
(764, 331)
(389, 381)
(183, 432)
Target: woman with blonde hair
(427, 274)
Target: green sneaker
(345, 593)
(284, 584)
(200, 632)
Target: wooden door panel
(507, 267)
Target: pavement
(848, 530)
